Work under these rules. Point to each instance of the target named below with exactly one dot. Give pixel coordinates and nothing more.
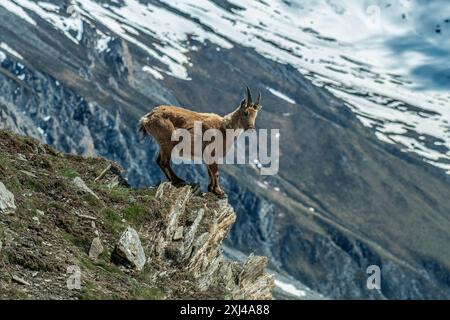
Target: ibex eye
(246, 113)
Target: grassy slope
(49, 230)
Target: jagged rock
(129, 247)
(80, 184)
(177, 209)
(7, 203)
(252, 278)
(96, 248)
(199, 251)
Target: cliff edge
(72, 228)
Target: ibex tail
(142, 131)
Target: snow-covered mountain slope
(387, 59)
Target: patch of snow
(48, 6)
(73, 22)
(156, 74)
(17, 10)
(281, 95)
(135, 19)
(10, 50)
(262, 185)
(290, 288)
(102, 42)
(2, 56)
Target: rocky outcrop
(192, 238)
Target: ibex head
(249, 110)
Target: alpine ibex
(163, 120)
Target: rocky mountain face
(71, 228)
(343, 199)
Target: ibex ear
(243, 104)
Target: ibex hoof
(220, 194)
(180, 184)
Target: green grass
(116, 194)
(135, 213)
(113, 221)
(35, 185)
(89, 292)
(143, 292)
(109, 267)
(80, 242)
(19, 294)
(91, 200)
(4, 161)
(14, 185)
(28, 207)
(101, 263)
(86, 263)
(68, 237)
(69, 173)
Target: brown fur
(163, 120)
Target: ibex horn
(249, 97)
(258, 99)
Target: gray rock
(28, 173)
(96, 248)
(193, 229)
(178, 233)
(20, 280)
(21, 157)
(130, 248)
(79, 183)
(36, 219)
(6, 200)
